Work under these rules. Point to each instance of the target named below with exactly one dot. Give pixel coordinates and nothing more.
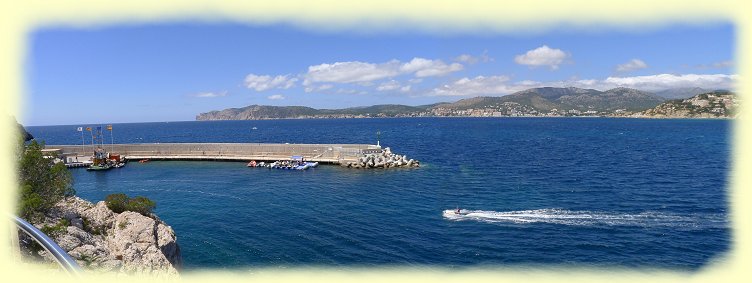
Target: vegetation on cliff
(129, 240)
(121, 202)
(43, 182)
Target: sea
(575, 192)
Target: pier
(324, 153)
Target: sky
(174, 71)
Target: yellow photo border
(19, 18)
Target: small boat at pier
(99, 167)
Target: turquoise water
(593, 192)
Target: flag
(88, 129)
(80, 129)
(109, 127)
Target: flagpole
(112, 139)
(83, 148)
(93, 148)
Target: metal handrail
(61, 257)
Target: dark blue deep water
(592, 192)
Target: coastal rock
(100, 218)
(136, 239)
(128, 242)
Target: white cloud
(479, 85)
(666, 81)
(318, 88)
(387, 86)
(265, 82)
(649, 83)
(352, 72)
(466, 58)
(634, 64)
(501, 85)
(364, 73)
(392, 86)
(276, 97)
(470, 59)
(542, 56)
(210, 94)
(429, 68)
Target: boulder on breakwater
(383, 159)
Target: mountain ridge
(543, 101)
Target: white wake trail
(590, 218)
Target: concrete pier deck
(325, 153)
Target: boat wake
(590, 218)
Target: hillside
(681, 93)
(717, 104)
(548, 101)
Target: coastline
(480, 117)
(449, 117)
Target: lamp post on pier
(378, 136)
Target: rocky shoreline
(102, 240)
(384, 159)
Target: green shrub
(58, 229)
(121, 202)
(141, 205)
(116, 202)
(43, 182)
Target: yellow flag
(88, 129)
(109, 127)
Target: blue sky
(171, 72)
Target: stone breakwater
(100, 239)
(384, 159)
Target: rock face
(24, 133)
(99, 239)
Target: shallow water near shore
(593, 192)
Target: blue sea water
(592, 192)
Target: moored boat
(99, 167)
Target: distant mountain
(681, 93)
(260, 112)
(534, 101)
(548, 98)
(257, 112)
(389, 109)
(715, 104)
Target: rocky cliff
(717, 104)
(99, 239)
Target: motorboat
(102, 167)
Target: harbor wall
(328, 153)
